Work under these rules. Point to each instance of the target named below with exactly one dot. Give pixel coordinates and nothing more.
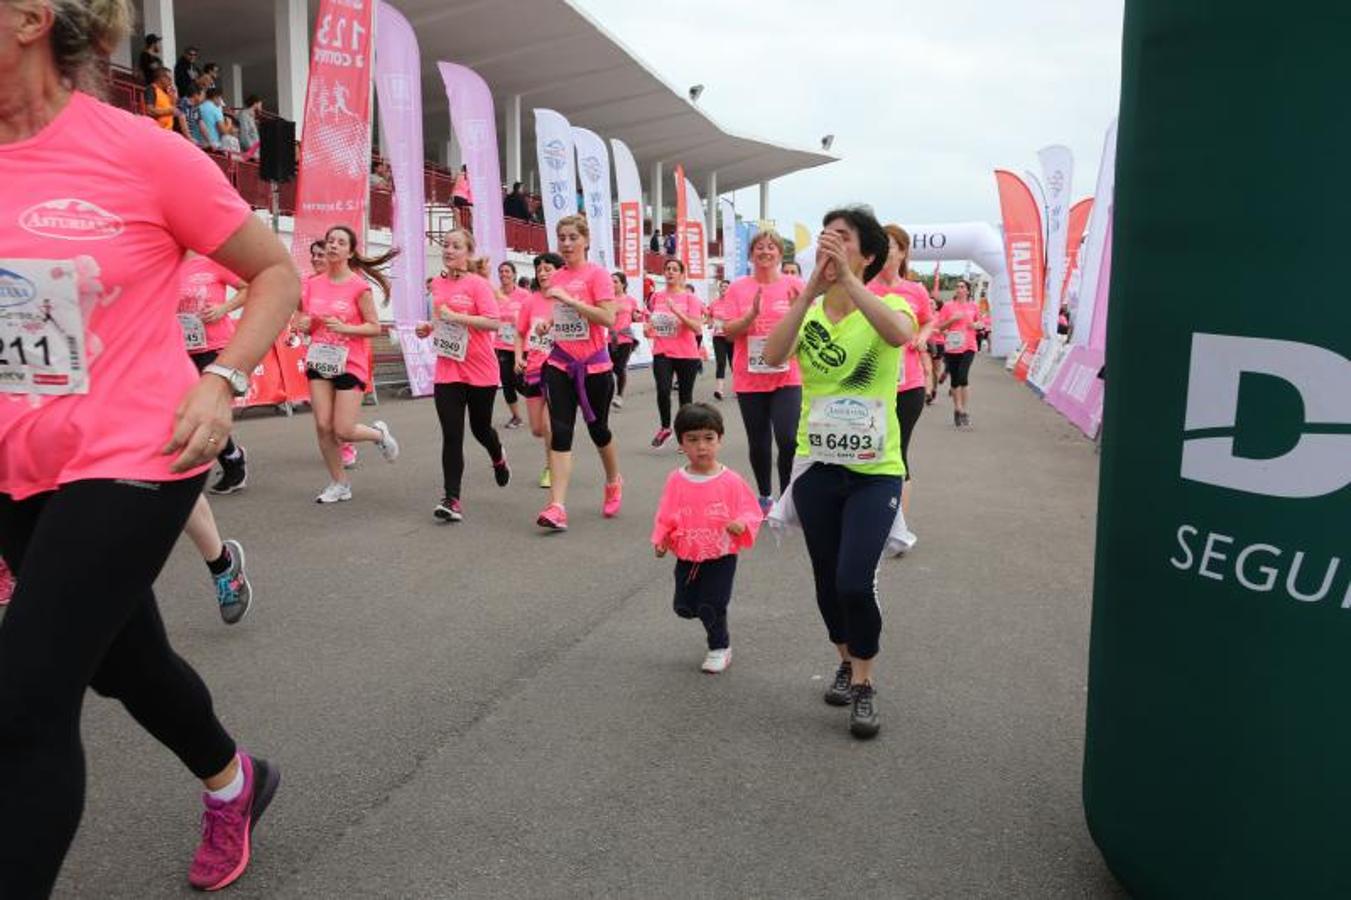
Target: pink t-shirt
(717, 314)
(625, 307)
(590, 284)
(201, 286)
(81, 231)
(775, 300)
(912, 369)
(958, 323)
(469, 295)
(322, 297)
(670, 337)
(535, 312)
(507, 309)
(693, 513)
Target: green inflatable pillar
(1218, 752)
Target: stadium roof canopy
(548, 52)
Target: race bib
(665, 325)
(451, 340)
(507, 333)
(194, 331)
(955, 340)
(539, 343)
(719, 327)
(328, 360)
(42, 339)
(569, 324)
(847, 430)
(755, 358)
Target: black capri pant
(506, 372)
(959, 367)
(560, 392)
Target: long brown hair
(371, 267)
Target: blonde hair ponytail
(84, 34)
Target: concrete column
(657, 185)
(236, 85)
(764, 200)
(292, 31)
(159, 19)
(711, 201)
(513, 166)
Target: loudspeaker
(277, 150)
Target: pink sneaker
(614, 498)
(6, 584)
(554, 517)
(349, 455)
(227, 827)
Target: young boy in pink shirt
(706, 515)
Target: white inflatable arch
(981, 243)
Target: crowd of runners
(122, 358)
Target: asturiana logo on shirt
(848, 410)
(15, 290)
(70, 220)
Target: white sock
(231, 790)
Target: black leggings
(560, 392)
(909, 404)
(959, 367)
(619, 355)
(506, 371)
(664, 368)
(722, 353)
(451, 402)
(846, 518)
(84, 615)
(771, 418)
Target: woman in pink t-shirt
(957, 322)
(106, 434)
(675, 318)
(912, 383)
(338, 313)
(716, 315)
(319, 266)
(770, 397)
(534, 343)
(577, 374)
(622, 340)
(465, 322)
(509, 300)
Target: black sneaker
(864, 722)
(956, 419)
(838, 694)
(966, 420)
(502, 472)
(234, 476)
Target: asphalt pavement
(483, 710)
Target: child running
(706, 515)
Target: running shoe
(661, 437)
(956, 419)
(227, 827)
(336, 492)
(502, 471)
(617, 402)
(554, 517)
(388, 447)
(966, 420)
(233, 591)
(349, 455)
(234, 476)
(717, 661)
(514, 422)
(6, 584)
(766, 504)
(614, 498)
(546, 479)
(717, 395)
(448, 510)
(864, 722)
(839, 694)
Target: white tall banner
(730, 251)
(1095, 243)
(630, 250)
(558, 181)
(1057, 166)
(696, 237)
(593, 169)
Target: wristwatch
(237, 380)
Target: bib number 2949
(42, 339)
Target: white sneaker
(617, 402)
(717, 661)
(388, 447)
(334, 493)
(896, 547)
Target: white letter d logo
(1318, 464)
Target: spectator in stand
(655, 244)
(248, 122)
(537, 210)
(382, 177)
(150, 60)
(211, 74)
(213, 113)
(229, 136)
(190, 106)
(462, 194)
(517, 205)
(671, 244)
(160, 98)
(186, 71)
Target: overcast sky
(925, 99)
